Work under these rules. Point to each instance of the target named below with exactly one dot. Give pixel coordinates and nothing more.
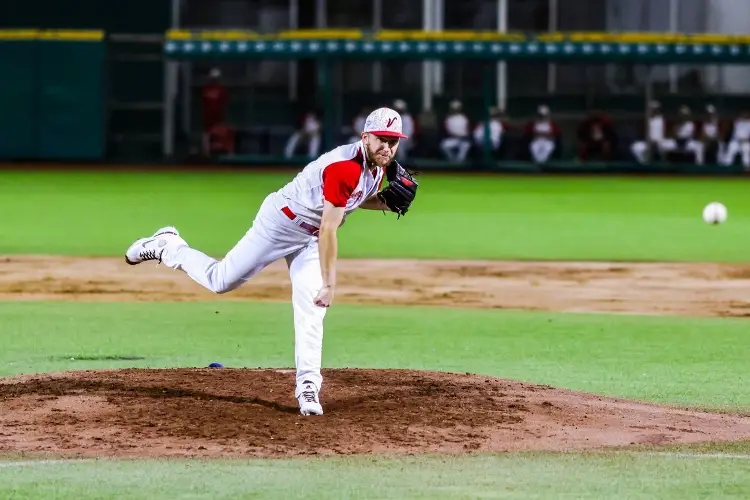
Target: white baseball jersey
(340, 176)
(656, 128)
(711, 129)
(457, 125)
(496, 132)
(311, 125)
(407, 124)
(359, 123)
(741, 130)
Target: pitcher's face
(380, 149)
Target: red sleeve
(340, 179)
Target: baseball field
(510, 337)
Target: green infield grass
(470, 217)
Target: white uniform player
(408, 129)
(655, 135)
(457, 143)
(311, 132)
(299, 223)
(739, 142)
(684, 137)
(496, 131)
(543, 132)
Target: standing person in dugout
(299, 223)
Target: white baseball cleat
(308, 399)
(153, 247)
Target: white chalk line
(677, 454)
(42, 463)
(666, 454)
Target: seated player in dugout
(299, 223)
(597, 138)
(217, 137)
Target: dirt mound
(639, 288)
(230, 412)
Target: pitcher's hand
(324, 297)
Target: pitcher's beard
(372, 159)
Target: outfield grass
(695, 362)
(454, 217)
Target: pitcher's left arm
(374, 203)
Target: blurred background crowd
(542, 111)
(456, 134)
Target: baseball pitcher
(299, 223)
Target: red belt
(304, 225)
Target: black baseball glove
(401, 190)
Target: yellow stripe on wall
(461, 35)
(57, 35)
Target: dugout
(327, 48)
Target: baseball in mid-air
(715, 213)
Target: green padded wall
(52, 95)
(70, 100)
(17, 99)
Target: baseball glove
(401, 190)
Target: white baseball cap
(385, 122)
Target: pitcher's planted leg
(304, 270)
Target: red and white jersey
(542, 127)
(340, 176)
(711, 129)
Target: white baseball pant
(455, 148)
(640, 149)
(541, 149)
(272, 236)
(735, 147)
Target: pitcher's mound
(230, 412)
